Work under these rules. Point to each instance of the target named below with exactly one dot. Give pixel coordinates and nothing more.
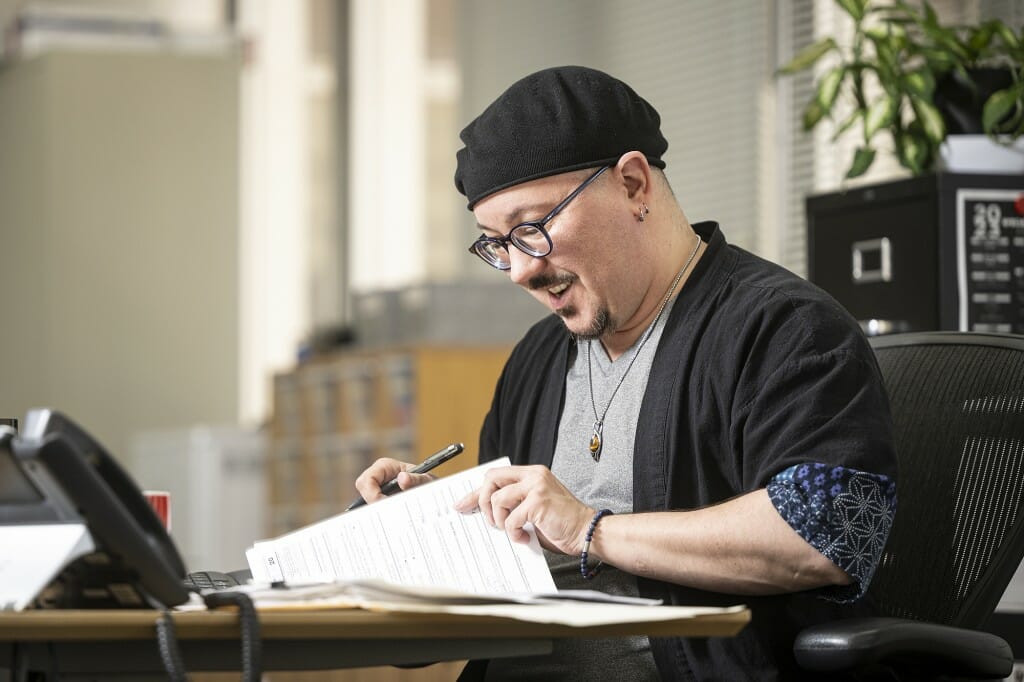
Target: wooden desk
(109, 642)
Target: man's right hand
(383, 470)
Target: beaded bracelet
(588, 573)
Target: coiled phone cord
(252, 648)
(167, 642)
(252, 644)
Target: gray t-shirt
(606, 484)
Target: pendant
(595, 442)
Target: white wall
(119, 235)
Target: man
(711, 430)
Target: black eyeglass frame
(483, 243)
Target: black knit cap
(554, 121)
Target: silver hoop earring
(643, 212)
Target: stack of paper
(32, 555)
(361, 593)
(574, 608)
(415, 538)
(414, 553)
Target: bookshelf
(334, 415)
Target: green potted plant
(901, 66)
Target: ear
(636, 175)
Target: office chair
(958, 536)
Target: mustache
(548, 281)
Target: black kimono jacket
(757, 370)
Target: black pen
(436, 459)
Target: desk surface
(94, 641)
(353, 624)
(101, 625)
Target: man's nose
(523, 266)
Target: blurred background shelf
(334, 415)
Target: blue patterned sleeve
(843, 513)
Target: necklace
(596, 442)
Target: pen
(436, 459)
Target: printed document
(33, 555)
(573, 608)
(412, 538)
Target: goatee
(598, 326)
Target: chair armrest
(854, 643)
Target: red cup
(160, 501)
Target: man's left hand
(511, 497)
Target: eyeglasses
(530, 237)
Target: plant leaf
(812, 114)
(1006, 33)
(896, 21)
(862, 160)
(949, 42)
(999, 105)
(1012, 125)
(913, 152)
(931, 18)
(879, 115)
(930, 118)
(920, 82)
(891, 32)
(886, 49)
(981, 36)
(940, 60)
(855, 8)
(903, 8)
(808, 56)
(828, 87)
(847, 124)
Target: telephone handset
(136, 562)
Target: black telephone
(55, 472)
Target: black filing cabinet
(942, 251)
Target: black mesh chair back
(958, 407)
